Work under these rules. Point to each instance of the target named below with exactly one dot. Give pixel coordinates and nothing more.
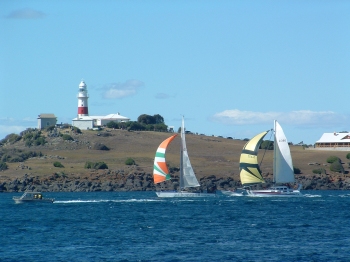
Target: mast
(274, 170)
(181, 154)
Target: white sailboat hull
(183, 194)
(277, 191)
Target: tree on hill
(333, 159)
(267, 144)
(133, 125)
(158, 119)
(147, 119)
(348, 156)
(337, 167)
(112, 124)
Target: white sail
(283, 171)
(187, 176)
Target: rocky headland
(215, 160)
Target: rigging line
(268, 145)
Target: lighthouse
(84, 121)
(83, 100)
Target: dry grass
(209, 155)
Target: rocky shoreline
(138, 180)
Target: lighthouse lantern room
(83, 100)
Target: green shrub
(33, 137)
(105, 134)
(89, 165)
(67, 137)
(39, 141)
(57, 164)
(98, 165)
(319, 171)
(50, 128)
(3, 166)
(112, 124)
(17, 155)
(101, 165)
(11, 138)
(129, 162)
(76, 130)
(348, 156)
(297, 170)
(100, 147)
(337, 167)
(5, 158)
(160, 127)
(333, 159)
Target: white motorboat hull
(183, 194)
(48, 200)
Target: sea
(139, 226)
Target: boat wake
(309, 195)
(105, 201)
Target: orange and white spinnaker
(160, 169)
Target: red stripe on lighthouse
(83, 111)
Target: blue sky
(231, 67)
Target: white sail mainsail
(187, 176)
(283, 171)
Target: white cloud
(305, 118)
(26, 13)
(120, 90)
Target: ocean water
(138, 226)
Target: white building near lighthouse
(83, 121)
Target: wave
(309, 195)
(74, 201)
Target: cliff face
(215, 161)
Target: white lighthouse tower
(84, 121)
(83, 100)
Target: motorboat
(33, 197)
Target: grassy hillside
(209, 155)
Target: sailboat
(283, 171)
(187, 176)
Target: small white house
(334, 140)
(46, 120)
